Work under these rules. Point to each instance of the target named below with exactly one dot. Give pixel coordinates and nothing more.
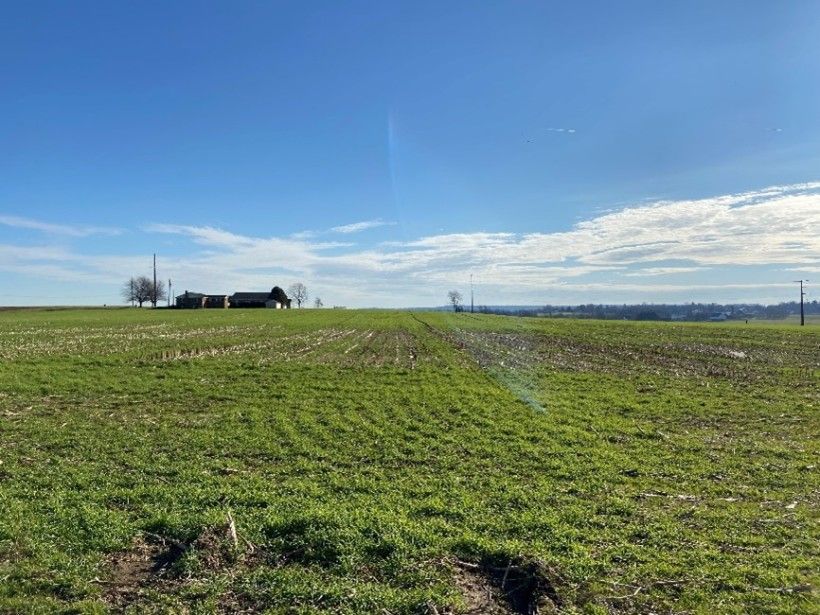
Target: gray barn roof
(250, 296)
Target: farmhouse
(275, 299)
(189, 300)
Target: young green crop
(367, 458)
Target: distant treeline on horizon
(695, 312)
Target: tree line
(691, 312)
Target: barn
(248, 300)
(275, 299)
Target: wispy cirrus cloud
(357, 227)
(218, 238)
(205, 235)
(656, 271)
(345, 229)
(636, 253)
(656, 240)
(72, 230)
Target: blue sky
(381, 152)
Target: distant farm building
(189, 300)
(275, 299)
(249, 300)
(216, 301)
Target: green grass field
(388, 462)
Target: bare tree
(298, 292)
(318, 303)
(157, 293)
(142, 289)
(455, 298)
(129, 291)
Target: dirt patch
(521, 587)
(216, 550)
(146, 564)
(479, 595)
(150, 564)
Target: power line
(802, 294)
(154, 290)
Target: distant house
(189, 300)
(275, 299)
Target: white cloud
(57, 229)
(813, 268)
(653, 271)
(776, 227)
(205, 235)
(357, 227)
(304, 234)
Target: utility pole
(154, 290)
(169, 292)
(802, 294)
(472, 295)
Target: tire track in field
(511, 369)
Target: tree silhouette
(129, 291)
(298, 292)
(141, 289)
(455, 298)
(156, 293)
